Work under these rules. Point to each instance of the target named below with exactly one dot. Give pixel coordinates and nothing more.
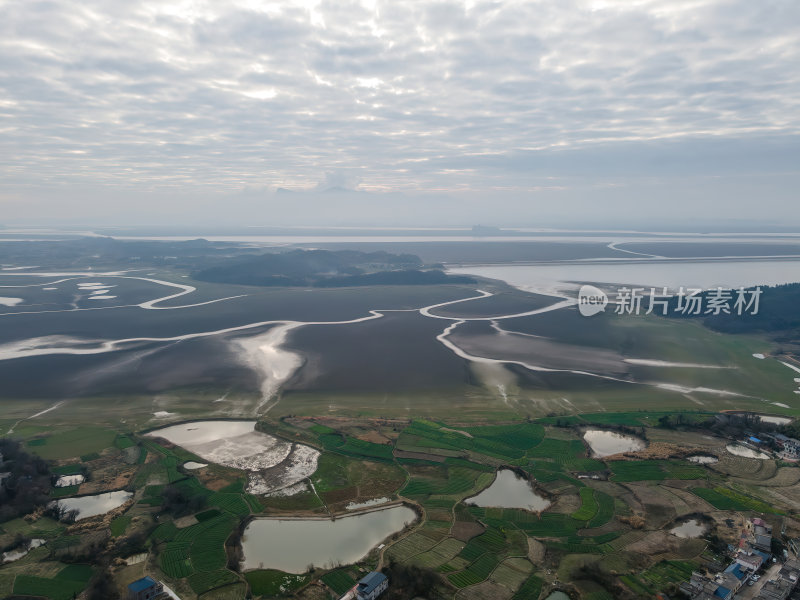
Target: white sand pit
(272, 464)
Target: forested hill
(778, 313)
(323, 268)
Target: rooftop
(142, 584)
(370, 581)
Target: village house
(751, 561)
(145, 588)
(790, 571)
(776, 589)
(757, 537)
(371, 586)
(702, 587)
(788, 446)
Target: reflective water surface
(509, 490)
(291, 545)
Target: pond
(290, 545)
(606, 443)
(191, 465)
(740, 450)
(98, 504)
(273, 464)
(13, 555)
(557, 595)
(690, 529)
(703, 459)
(509, 490)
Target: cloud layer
(218, 98)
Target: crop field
(588, 507)
(268, 582)
(475, 572)
(119, 525)
(42, 528)
(570, 454)
(475, 550)
(605, 510)
(659, 576)
(723, 498)
(456, 481)
(440, 554)
(71, 580)
(502, 442)
(530, 589)
(72, 443)
(414, 544)
(203, 581)
(512, 572)
(654, 470)
(339, 581)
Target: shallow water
(13, 555)
(690, 529)
(605, 443)
(739, 450)
(98, 504)
(703, 459)
(557, 595)
(672, 273)
(509, 490)
(291, 545)
(191, 465)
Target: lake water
(291, 545)
(605, 443)
(703, 459)
(557, 595)
(673, 274)
(98, 504)
(739, 450)
(690, 529)
(509, 490)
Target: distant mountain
(323, 268)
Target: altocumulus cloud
(106, 102)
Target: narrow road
(751, 591)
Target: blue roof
(142, 584)
(755, 439)
(763, 555)
(735, 569)
(722, 592)
(370, 581)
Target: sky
(400, 113)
